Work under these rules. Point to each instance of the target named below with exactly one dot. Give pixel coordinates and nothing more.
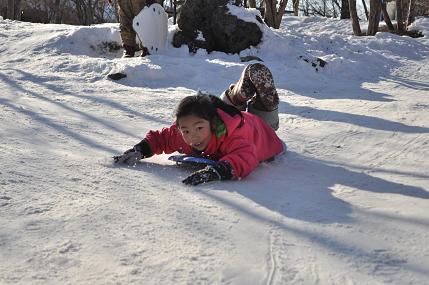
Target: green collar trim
(219, 127)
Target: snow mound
(94, 41)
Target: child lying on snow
(209, 127)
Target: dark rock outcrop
(221, 30)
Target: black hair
(204, 106)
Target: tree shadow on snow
(408, 83)
(35, 115)
(295, 186)
(315, 191)
(309, 189)
(62, 90)
(352, 119)
(303, 189)
(331, 90)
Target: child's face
(195, 131)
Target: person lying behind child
(208, 127)
(255, 92)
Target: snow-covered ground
(348, 204)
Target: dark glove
(133, 155)
(129, 157)
(221, 171)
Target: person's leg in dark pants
(255, 90)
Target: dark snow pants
(128, 9)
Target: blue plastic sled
(191, 160)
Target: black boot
(129, 51)
(145, 52)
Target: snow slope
(346, 205)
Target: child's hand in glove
(202, 176)
(221, 171)
(132, 156)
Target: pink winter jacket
(244, 146)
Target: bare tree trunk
(334, 11)
(117, 12)
(405, 11)
(58, 12)
(252, 3)
(345, 11)
(365, 8)
(80, 10)
(11, 9)
(412, 12)
(269, 12)
(89, 13)
(17, 10)
(400, 16)
(280, 13)
(272, 16)
(355, 18)
(386, 16)
(374, 17)
(295, 7)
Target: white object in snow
(151, 27)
